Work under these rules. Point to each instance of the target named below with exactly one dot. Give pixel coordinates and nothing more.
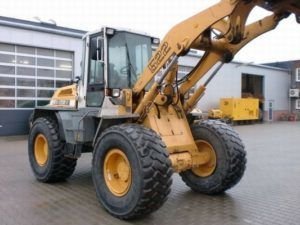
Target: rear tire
(45, 151)
(230, 158)
(143, 184)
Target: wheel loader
(129, 108)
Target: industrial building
(237, 79)
(38, 57)
(294, 93)
(35, 59)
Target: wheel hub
(117, 172)
(41, 149)
(208, 154)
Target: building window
(25, 71)
(25, 104)
(64, 54)
(25, 93)
(4, 103)
(45, 93)
(7, 92)
(42, 103)
(297, 74)
(6, 58)
(29, 75)
(66, 74)
(45, 73)
(27, 82)
(62, 64)
(7, 47)
(45, 83)
(297, 104)
(45, 62)
(25, 60)
(25, 50)
(45, 52)
(60, 83)
(7, 81)
(7, 69)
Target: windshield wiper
(131, 68)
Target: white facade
(228, 83)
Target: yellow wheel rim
(210, 165)
(117, 172)
(41, 150)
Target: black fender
(46, 112)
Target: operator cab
(113, 60)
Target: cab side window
(95, 86)
(96, 69)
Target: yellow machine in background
(236, 110)
(240, 109)
(215, 114)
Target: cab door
(95, 81)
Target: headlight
(115, 93)
(110, 31)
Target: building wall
(295, 83)
(227, 83)
(276, 84)
(14, 121)
(44, 40)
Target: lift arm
(220, 31)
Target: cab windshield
(128, 54)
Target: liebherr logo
(159, 57)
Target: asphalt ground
(269, 192)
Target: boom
(220, 31)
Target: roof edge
(42, 27)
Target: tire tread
(156, 166)
(235, 154)
(61, 167)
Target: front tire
(45, 151)
(131, 171)
(228, 160)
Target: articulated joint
(203, 159)
(181, 161)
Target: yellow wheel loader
(129, 108)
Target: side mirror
(76, 80)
